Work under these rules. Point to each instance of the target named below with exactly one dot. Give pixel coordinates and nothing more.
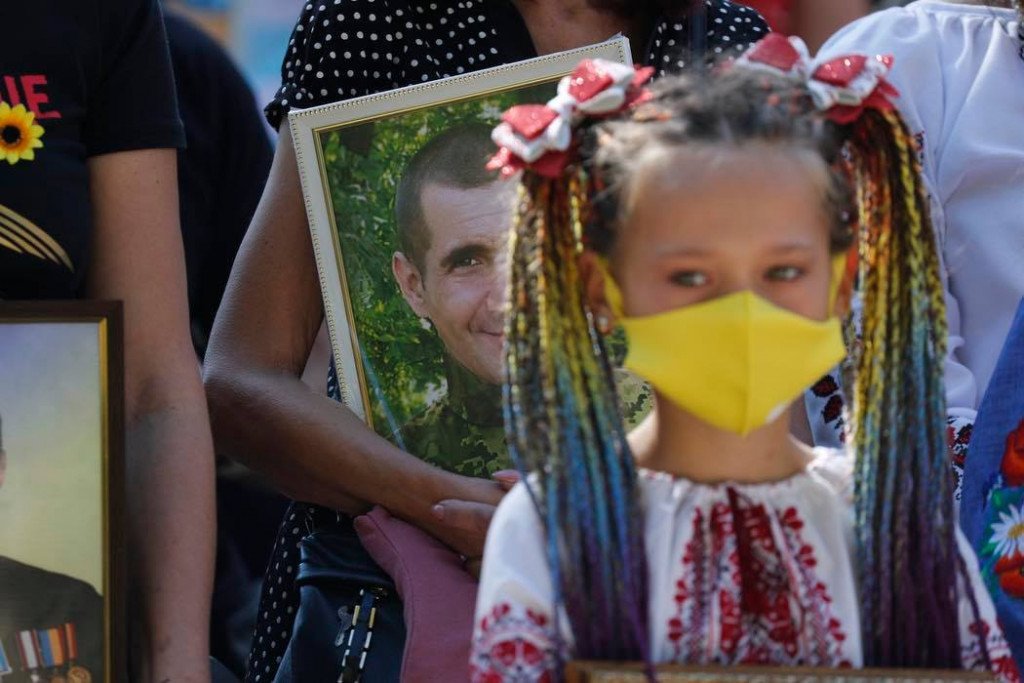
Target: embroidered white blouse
(961, 80)
(754, 574)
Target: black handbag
(349, 626)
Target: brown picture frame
(607, 672)
(106, 319)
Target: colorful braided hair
(1019, 6)
(561, 409)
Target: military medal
(76, 673)
(29, 652)
(53, 652)
(79, 674)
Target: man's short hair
(455, 158)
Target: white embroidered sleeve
(514, 636)
(980, 634)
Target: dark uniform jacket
(33, 598)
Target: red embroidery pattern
(973, 658)
(958, 438)
(827, 389)
(771, 607)
(513, 645)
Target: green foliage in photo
(403, 359)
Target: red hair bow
(540, 136)
(842, 87)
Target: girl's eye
(689, 278)
(784, 273)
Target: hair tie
(843, 87)
(540, 136)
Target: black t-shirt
(342, 49)
(95, 77)
(222, 172)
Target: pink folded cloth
(439, 596)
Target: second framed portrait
(410, 233)
(61, 485)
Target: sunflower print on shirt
(19, 134)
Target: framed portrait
(605, 672)
(61, 491)
(410, 231)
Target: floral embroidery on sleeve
(514, 645)
(830, 403)
(1003, 664)
(958, 438)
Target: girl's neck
(672, 440)
(559, 25)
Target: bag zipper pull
(363, 620)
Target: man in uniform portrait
(453, 219)
(51, 625)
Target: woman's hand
(462, 523)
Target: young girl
(712, 220)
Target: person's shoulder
(897, 30)
(53, 586)
(915, 40)
(186, 39)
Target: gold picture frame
(61, 491)
(353, 157)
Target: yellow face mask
(736, 362)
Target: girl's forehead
(715, 199)
(671, 168)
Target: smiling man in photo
(453, 220)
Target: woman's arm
(817, 20)
(138, 258)
(310, 447)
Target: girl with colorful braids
(719, 221)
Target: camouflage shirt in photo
(462, 432)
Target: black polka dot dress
(342, 49)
